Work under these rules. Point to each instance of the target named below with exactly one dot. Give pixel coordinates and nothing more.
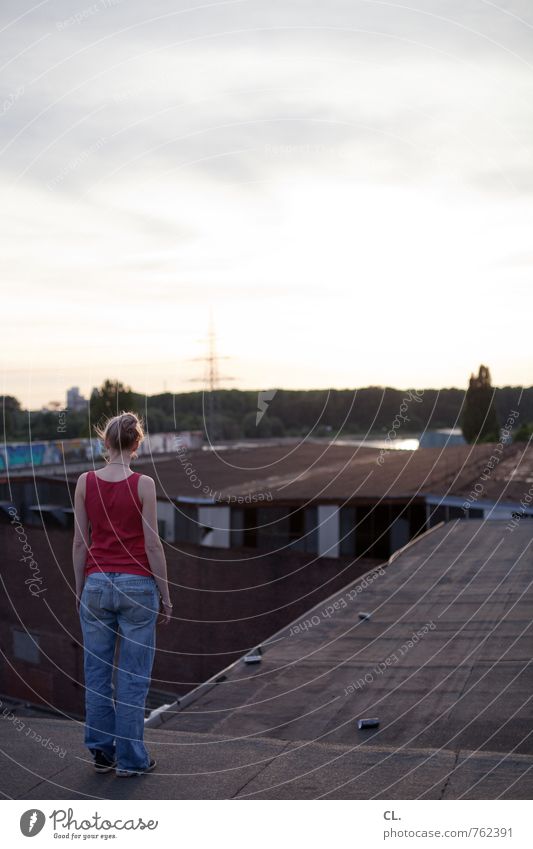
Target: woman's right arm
(152, 543)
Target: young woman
(121, 586)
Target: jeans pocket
(139, 604)
(90, 601)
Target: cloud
(256, 151)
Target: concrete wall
(20, 455)
(478, 509)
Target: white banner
(256, 825)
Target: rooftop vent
(368, 723)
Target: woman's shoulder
(145, 479)
(146, 484)
(82, 481)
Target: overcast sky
(348, 185)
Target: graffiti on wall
(19, 455)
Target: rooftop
(329, 471)
(443, 662)
(320, 470)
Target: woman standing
(121, 586)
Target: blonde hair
(121, 432)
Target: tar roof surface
(462, 684)
(318, 471)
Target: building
(441, 438)
(224, 603)
(75, 401)
(322, 499)
(336, 500)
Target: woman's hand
(165, 613)
(78, 599)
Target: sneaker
(102, 762)
(128, 773)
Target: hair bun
(121, 432)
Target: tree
(12, 416)
(479, 420)
(269, 426)
(110, 399)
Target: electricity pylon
(212, 380)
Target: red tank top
(114, 510)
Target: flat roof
(444, 664)
(315, 470)
(321, 472)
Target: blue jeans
(118, 606)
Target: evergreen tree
(479, 420)
(110, 399)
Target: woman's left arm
(80, 543)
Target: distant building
(190, 439)
(75, 401)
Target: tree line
(480, 411)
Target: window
(26, 646)
(347, 531)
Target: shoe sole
(103, 769)
(124, 773)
